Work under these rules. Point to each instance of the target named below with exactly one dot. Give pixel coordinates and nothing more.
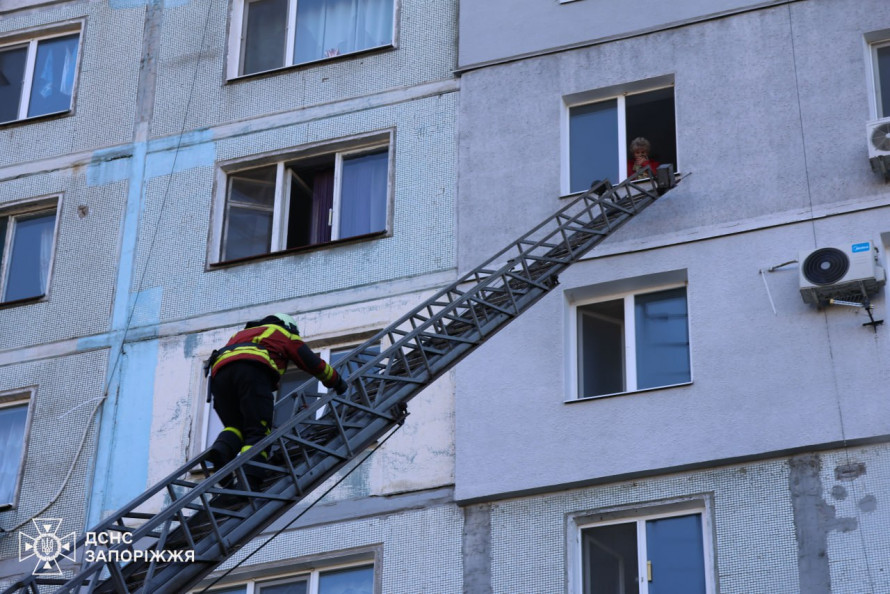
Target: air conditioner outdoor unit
(846, 272)
(878, 138)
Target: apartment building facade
(172, 169)
(674, 417)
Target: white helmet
(287, 322)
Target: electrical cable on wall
(100, 400)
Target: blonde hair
(640, 143)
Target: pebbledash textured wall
(828, 508)
(426, 51)
(419, 549)
(105, 100)
(61, 438)
(422, 205)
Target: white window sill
(643, 391)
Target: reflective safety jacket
(273, 346)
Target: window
(881, 58)
(292, 379)
(37, 76)
(305, 202)
(277, 33)
(26, 251)
(343, 580)
(656, 555)
(633, 342)
(13, 421)
(600, 133)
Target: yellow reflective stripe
(235, 431)
(247, 447)
(328, 373)
(248, 350)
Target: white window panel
(27, 248)
(348, 579)
(631, 342)
(599, 132)
(881, 64)
(302, 202)
(38, 75)
(272, 34)
(14, 409)
(648, 555)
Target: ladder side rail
(396, 392)
(589, 200)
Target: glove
(341, 386)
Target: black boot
(224, 449)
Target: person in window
(639, 149)
(245, 373)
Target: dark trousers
(243, 398)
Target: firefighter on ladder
(245, 373)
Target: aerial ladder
(211, 518)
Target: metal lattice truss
(204, 521)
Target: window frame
(577, 522)
(626, 290)
(875, 97)
(237, 37)
(31, 38)
(10, 399)
(27, 208)
(620, 94)
(309, 569)
(206, 415)
(339, 150)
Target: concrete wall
(132, 290)
(798, 524)
(771, 107)
(501, 29)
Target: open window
(305, 201)
(602, 125)
(38, 74)
(271, 34)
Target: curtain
(53, 75)
(29, 256)
(363, 195)
(327, 28)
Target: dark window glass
(884, 80)
(610, 559)
(249, 217)
(354, 580)
(265, 29)
(299, 587)
(601, 356)
(12, 77)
